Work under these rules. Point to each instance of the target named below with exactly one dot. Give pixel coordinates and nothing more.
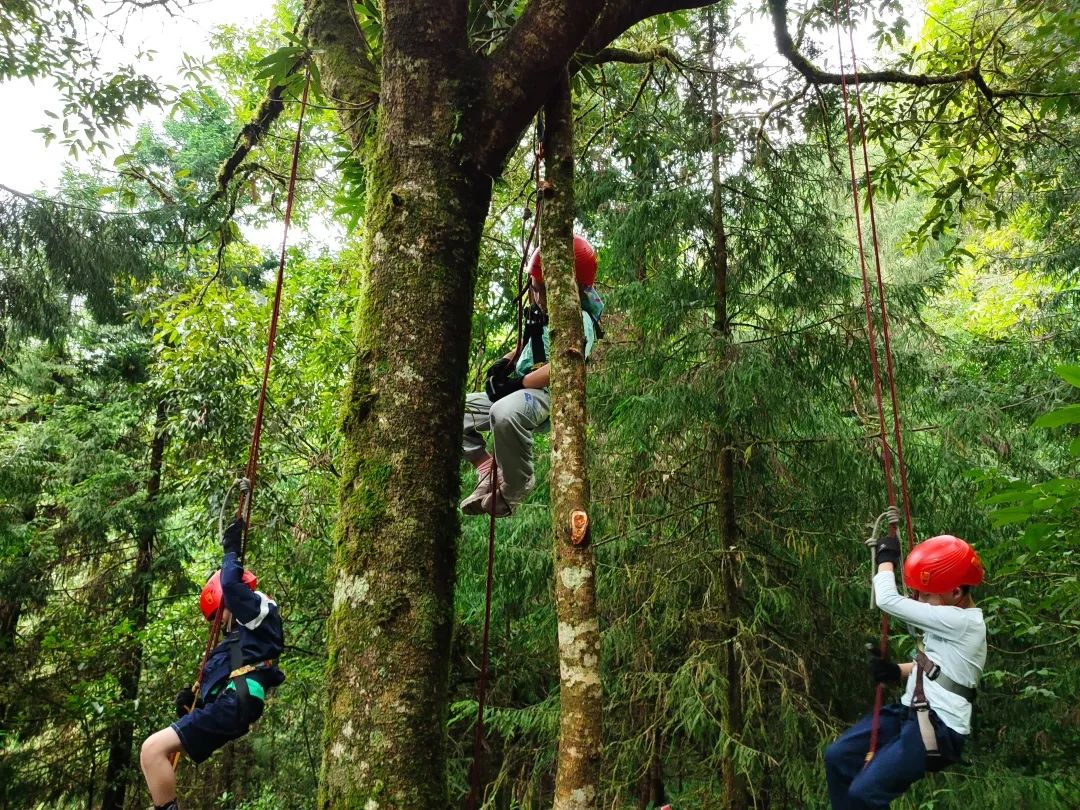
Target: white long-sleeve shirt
(954, 638)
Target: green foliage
(982, 140)
(130, 292)
(56, 40)
(54, 252)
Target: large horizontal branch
(629, 57)
(786, 46)
(526, 66)
(619, 16)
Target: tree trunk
(120, 737)
(580, 728)
(736, 797)
(447, 120)
(390, 624)
(653, 794)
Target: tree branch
(619, 16)
(631, 57)
(524, 69)
(786, 46)
(249, 138)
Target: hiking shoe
(501, 505)
(474, 504)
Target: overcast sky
(26, 164)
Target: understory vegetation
(134, 309)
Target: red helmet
(584, 263)
(210, 598)
(942, 563)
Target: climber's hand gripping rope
(884, 549)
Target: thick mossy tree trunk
(390, 625)
(448, 117)
(580, 727)
(735, 791)
(118, 769)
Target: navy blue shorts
(205, 730)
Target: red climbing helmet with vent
(584, 263)
(210, 598)
(942, 563)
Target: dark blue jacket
(256, 620)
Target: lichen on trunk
(580, 727)
(390, 624)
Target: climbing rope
(271, 340)
(475, 772)
(247, 483)
(886, 450)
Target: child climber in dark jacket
(238, 673)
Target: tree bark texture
(735, 793)
(390, 624)
(580, 727)
(447, 120)
(121, 735)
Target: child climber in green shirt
(516, 403)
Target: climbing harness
(928, 670)
(247, 483)
(886, 450)
(933, 673)
(535, 322)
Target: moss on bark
(580, 728)
(390, 625)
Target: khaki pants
(512, 421)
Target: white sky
(26, 164)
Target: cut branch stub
(579, 526)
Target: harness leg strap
(926, 730)
(236, 661)
(922, 713)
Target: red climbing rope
(247, 495)
(886, 451)
(476, 771)
(897, 434)
(271, 340)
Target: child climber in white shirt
(935, 710)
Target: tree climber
(516, 402)
(236, 677)
(926, 731)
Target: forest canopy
(723, 437)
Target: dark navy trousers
(900, 759)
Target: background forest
(732, 429)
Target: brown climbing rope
(248, 492)
(476, 771)
(886, 450)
